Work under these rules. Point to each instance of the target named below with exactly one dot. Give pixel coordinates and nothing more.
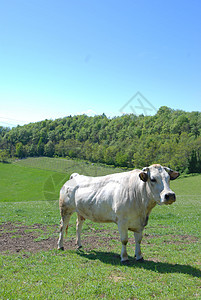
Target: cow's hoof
(140, 260)
(125, 262)
(62, 248)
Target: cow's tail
(66, 230)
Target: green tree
(40, 147)
(121, 159)
(20, 151)
(31, 150)
(4, 155)
(194, 163)
(60, 149)
(49, 149)
(109, 155)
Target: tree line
(170, 137)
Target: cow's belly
(136, 224)
(135, 229)
(100, 214)
(95, 205)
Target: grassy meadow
(29, 191)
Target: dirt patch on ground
(171, 239)
(16, 237)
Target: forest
(170, 137)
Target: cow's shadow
(161, 267)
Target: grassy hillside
(67, 166)
(188, 185)
(34, 179)
(21, 183)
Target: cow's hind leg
(64, 226)
(138, 239)
(79, 223)
(123, 230)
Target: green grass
(20, 183)
(187, 185)
(71, 275)
(171, 245)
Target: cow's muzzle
(170, 198)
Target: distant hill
(171, 137)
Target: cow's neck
(148, 201)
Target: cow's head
(158, 179)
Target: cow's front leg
(79, 223)
(123, 230)
(138, 239)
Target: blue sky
(70, 57)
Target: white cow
(124, 198)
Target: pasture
(32, 268)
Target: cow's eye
(153, 179)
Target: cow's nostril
(167, 196)
(170, 196)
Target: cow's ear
(143, 176)
(173, 174)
